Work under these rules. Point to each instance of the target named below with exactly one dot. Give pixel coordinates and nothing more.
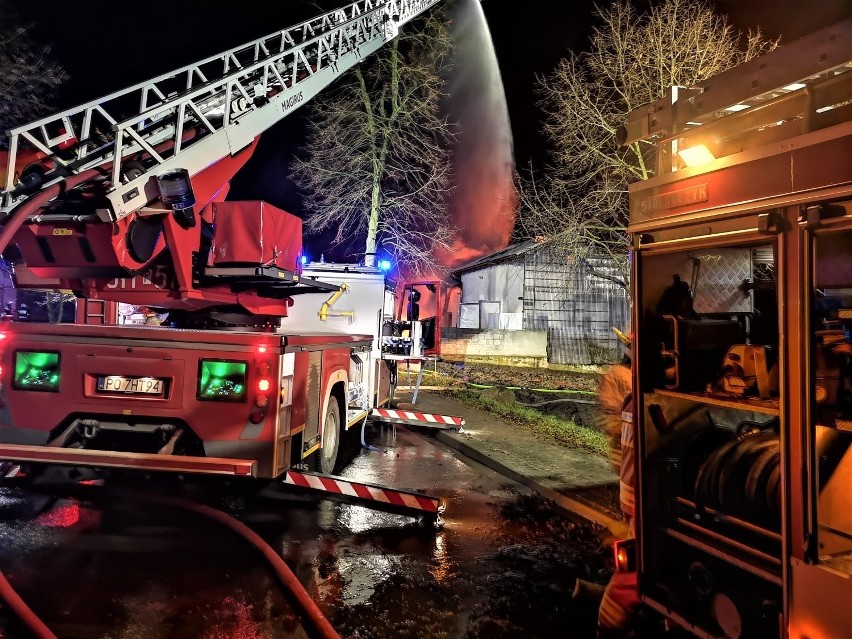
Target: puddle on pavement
(135, 571)
(503, 565)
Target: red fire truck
(130, 208)
(742, 314)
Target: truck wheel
(325, 459)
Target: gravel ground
(532, 387)
(523, 377)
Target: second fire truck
(742, 313)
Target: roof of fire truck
(802, 82)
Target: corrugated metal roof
(506, 255)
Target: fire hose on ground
(324, 629)
(315, 617)
(22, 611)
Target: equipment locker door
(708, 410)
(821, 577)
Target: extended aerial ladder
(124, 184)
(125, 202)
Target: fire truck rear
(243, 402)
(170, 399)
(742, 313)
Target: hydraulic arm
(124, 185)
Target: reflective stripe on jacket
(627, 469)
(614, 387)
(618, 606)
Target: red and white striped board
(370, 495)
(413, 418)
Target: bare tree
(580, 204)
(376, 164)
(54, 303)
(28, 79)
(28, 76)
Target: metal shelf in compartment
(754, 405)
(737, 522)
(744, 557)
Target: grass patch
(561, 431)
(431, 378)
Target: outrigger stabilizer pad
(413, 418)
(402, 502)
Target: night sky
(531, 41)
(105, 49)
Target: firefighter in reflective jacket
(620, 599)
(614, 388)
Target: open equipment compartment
(741, 290)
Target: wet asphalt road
(503, 564)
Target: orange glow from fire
(484, 213)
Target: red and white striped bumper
(413, 418)
(370, 495)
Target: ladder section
(815, 71)
(194, 116)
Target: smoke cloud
(484, 203)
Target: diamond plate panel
(720, 274)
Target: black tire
(325, 459)
(350, 445)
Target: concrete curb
(615, 526)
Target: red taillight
(263, 385)
(263, 368)
(2, 336)
(261, 349)
(625, 555)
